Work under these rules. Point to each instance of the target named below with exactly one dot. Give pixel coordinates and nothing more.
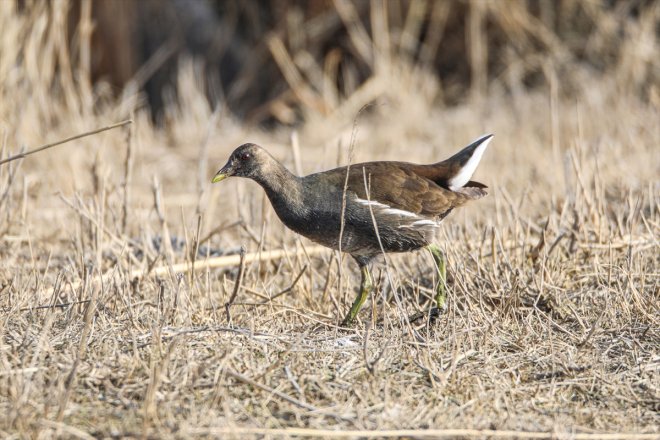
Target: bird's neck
(284, 189)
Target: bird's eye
(245, 156)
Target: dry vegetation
(553, 322)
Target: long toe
(431, 316)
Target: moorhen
(369, 208)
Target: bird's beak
(219, 176)
(224, 172)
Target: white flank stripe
(425, 223)
(464, 175)
(386, 209)
(371, 203)
(420, 224)
(400, 212)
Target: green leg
(441, 265)
(365, 289)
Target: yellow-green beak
(218, 177)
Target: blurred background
(199, 77)
(280, 61)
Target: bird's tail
(463, 164)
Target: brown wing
(402, 186)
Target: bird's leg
(365, 288)
(441, 289)
(441, 265)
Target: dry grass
(553, 322)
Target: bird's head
(248, 160)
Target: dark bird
(367, 208)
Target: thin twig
(211, 263)
(70, 381)
(593, 329)
(279, 394)
(229, 260)
(237, 285)
(54, 306)
(351, 150)
(414, 433)
(69, 139)
(126, 184)
(288, 289)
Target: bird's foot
(432, 315)
(346, 322)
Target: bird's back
(405, 201)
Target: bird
(367, 209)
